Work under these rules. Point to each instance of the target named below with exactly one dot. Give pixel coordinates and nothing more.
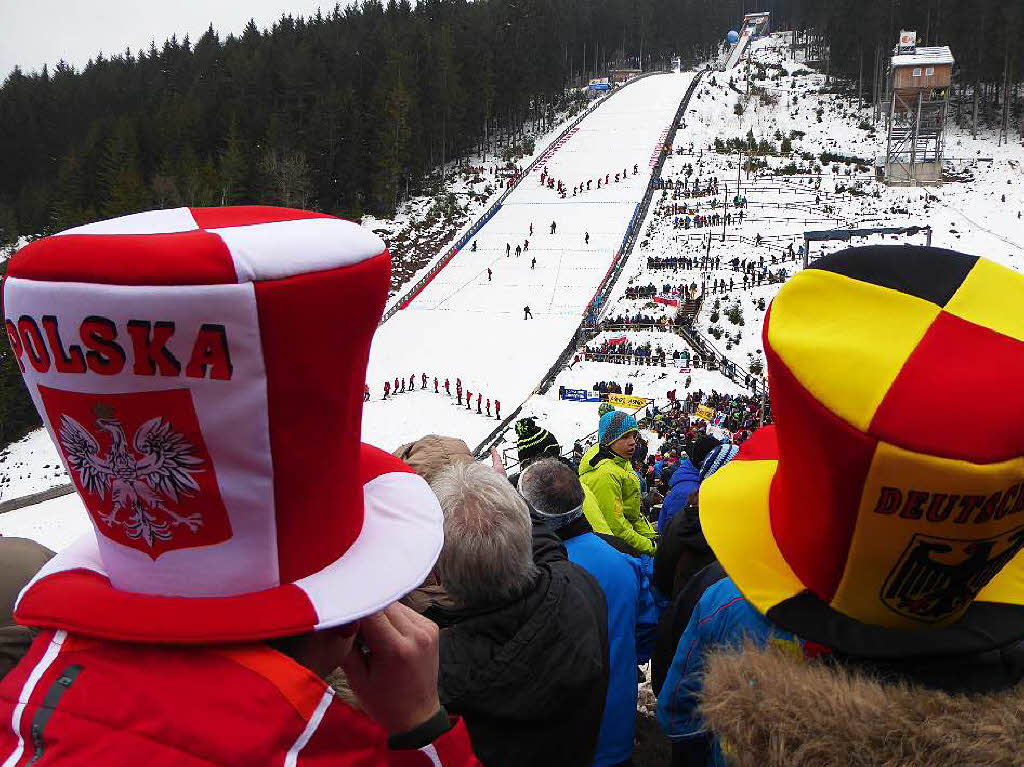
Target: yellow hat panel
(931, 533)
(845, 340)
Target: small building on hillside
(918, 100)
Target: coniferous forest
(350, 112)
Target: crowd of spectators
(642, 291)
(638, 320)
(339, 605)
(685, 188)
(625, 352)
(612, 387)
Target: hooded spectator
(524, 653)
(555, 493)
(431, 454)
(684, 481)
(872, 609)
(247, 536)
(610, 475)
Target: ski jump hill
(462, 325)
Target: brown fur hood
(771, 708)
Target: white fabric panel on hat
(312, 244)
(151, 222)
(235, 473)
(401, 538)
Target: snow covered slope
(464, 325)
(30, 465)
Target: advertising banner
(599, 84)
(580, 395)
(625, 400)
(666, 300)
(908, 41)
(703, 411)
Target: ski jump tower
(918, 100)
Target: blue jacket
(722, 618)
(627, 592)
(684, 481)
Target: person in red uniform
(497, 409)
(387, 389)
(395, 390)
(469, 399)
(458, 391)
(479, 398)
(260, 553)
(436, 391)
(447, 387)
(488, 407)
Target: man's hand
(393, 668)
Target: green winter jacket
(617, 488)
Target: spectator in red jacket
(263, 549)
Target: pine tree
(392, 151)
(121, 180)
(233, 167)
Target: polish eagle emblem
(144, 478)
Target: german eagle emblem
(143, 478)
(937, 578)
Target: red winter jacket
(78, 701)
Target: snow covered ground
(464, 326)
(30, 465)
(54, 523)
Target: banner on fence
(627, 400)
(599, 84)
(703, 411)
(666, 300)
(616, 341)
(580, 395)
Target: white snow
(463, 326)
(54, 523)
(30, 465)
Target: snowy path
(463, 325)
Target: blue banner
(580, 395)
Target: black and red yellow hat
(887, 500)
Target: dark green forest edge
(353, 111)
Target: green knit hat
(605, 407)
(534, 442)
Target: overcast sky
(37, 32)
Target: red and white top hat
(201, 372)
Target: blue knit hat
(716, 459)
(614, 425)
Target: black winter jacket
(682, 553)
(530, 676)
